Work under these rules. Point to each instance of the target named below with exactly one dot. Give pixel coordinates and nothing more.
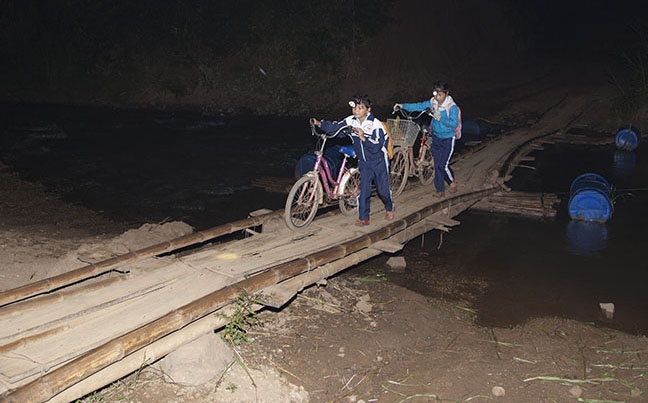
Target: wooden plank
(81, 334)
(94, 269)
(388, 246)
(278, 295)
(443, 220)
(569, 138)
(520, 203)
(525, 166)
(16, 323)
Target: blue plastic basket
(627, 139)
(590, 198)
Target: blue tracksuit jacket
(373, 161)
(445, 127)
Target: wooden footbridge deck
(69, 335)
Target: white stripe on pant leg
(445, 167)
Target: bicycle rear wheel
(398, 171)
(426, 166)
(302, 203)
(350, 191)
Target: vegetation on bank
(633, 88)
(202, 52)
(285, 57)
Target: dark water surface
(142, 167)
(512, 269)
(147, 167)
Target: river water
(139, 167)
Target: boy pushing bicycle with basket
(370, 144)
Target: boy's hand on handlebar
(315, 122)
(358, 131)
(397, 107)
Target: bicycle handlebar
(316, 131)
(412, 115)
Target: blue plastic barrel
(590, 198)
(627, 138)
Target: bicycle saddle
(347, 150)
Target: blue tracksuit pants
(370, 172)
(442, 150)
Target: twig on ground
(239, 360)
(338, 398)
(285, 370)
(451, 342)
(594, 381)
(348, 382)
(492, 332)
(524, 361)
(324, 305)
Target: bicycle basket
(403, 131)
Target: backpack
(457, 129)
(390, 143)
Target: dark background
(291, 56)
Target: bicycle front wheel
(426, 166)
(398, 171)
(350, 189)
(302, 203)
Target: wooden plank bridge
(69, 335)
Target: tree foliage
(82, 49)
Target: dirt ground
(359, 338)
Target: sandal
(362, 223)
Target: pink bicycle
(318, 187)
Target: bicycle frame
(425, 132)
(425, 135)
(330, 185)
(308, 192)
(322, 171)
(405, 164)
